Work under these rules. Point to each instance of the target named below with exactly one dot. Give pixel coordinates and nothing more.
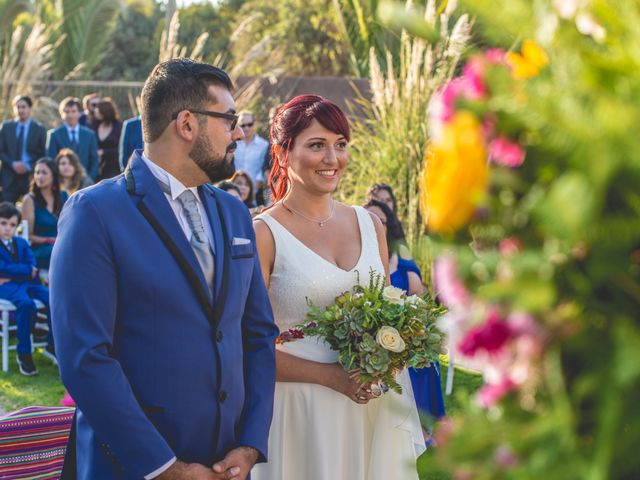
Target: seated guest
(230, 188)
(18, 265)
(22, 141)
(73, 176)
(243, 181)
(405, 274)
(108, 129)
(131, 138)
(383, 193)
(71, 134)
(41, 208)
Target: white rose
(393, 295)
(389, 338)
(414, 300)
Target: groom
(163, 327)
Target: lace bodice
(300, 273)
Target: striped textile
(33, 442)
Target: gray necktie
(199, 239)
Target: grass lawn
(45, 389)
(18, 391)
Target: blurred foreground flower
(529, 61)
(455, 177)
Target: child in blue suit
(21, 286)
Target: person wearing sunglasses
(166, 334)
(251, 150)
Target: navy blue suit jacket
(35, 146)
(16, 267)
(87, 150)
(130, 140)
(157, 365)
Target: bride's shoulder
(351, 208)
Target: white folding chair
(5, 308)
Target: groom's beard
(216, 167)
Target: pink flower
(491, 336)
(494, 55)
(505, 152)
(490, 394)
(472, 85)
(510, 246)
(506, 457)
(449, 287)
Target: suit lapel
(154, 207)
(216, 223)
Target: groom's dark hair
(175, 85)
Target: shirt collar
(175, 186)
(72, 129)
(24, 124)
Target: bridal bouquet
(378, 330)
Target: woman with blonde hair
(73, 176)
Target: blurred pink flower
(494, 55)
(489, 394)
(509, 246)
(506, 457)
(472, 79)
(505, 152)
(491, 336)
(449, 287)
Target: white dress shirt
(249, 157)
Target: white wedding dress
(318, 433)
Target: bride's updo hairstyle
(291, 119)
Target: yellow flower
(529, 62)
(455, 175)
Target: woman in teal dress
(41, 208)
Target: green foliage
(389, 145)
(204, 17)
(294, 37)
(362, 30)
(573, 206)
(19, 391)
(131, 51)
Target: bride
(326, 425)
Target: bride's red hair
(292, 118)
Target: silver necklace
(319, 222)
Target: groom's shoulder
(104, 195)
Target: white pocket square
(240, 241)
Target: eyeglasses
(246, 125)
(226, 116)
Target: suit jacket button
(222, 396)
(219, 335)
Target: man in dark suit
(130, 140)
(166, 339)
(22, 142)
(71, 134)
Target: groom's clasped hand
(235, 466)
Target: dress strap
(368, 233)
